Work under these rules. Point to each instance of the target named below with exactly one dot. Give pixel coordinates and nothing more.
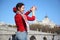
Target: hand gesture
(33, 8)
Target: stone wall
(8, 33)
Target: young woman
(21, 20)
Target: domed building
(45, 21)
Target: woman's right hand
(33, 10)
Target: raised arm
(33, 14)
(28, 12)
(31, 18)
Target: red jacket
(20, 22)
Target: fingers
(33, 8)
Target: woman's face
(21, 9)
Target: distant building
(45, 21)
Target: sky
(51, 8)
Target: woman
(21, 20)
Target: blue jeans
(21, 35)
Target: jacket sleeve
(31, 18)
(28, 12)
